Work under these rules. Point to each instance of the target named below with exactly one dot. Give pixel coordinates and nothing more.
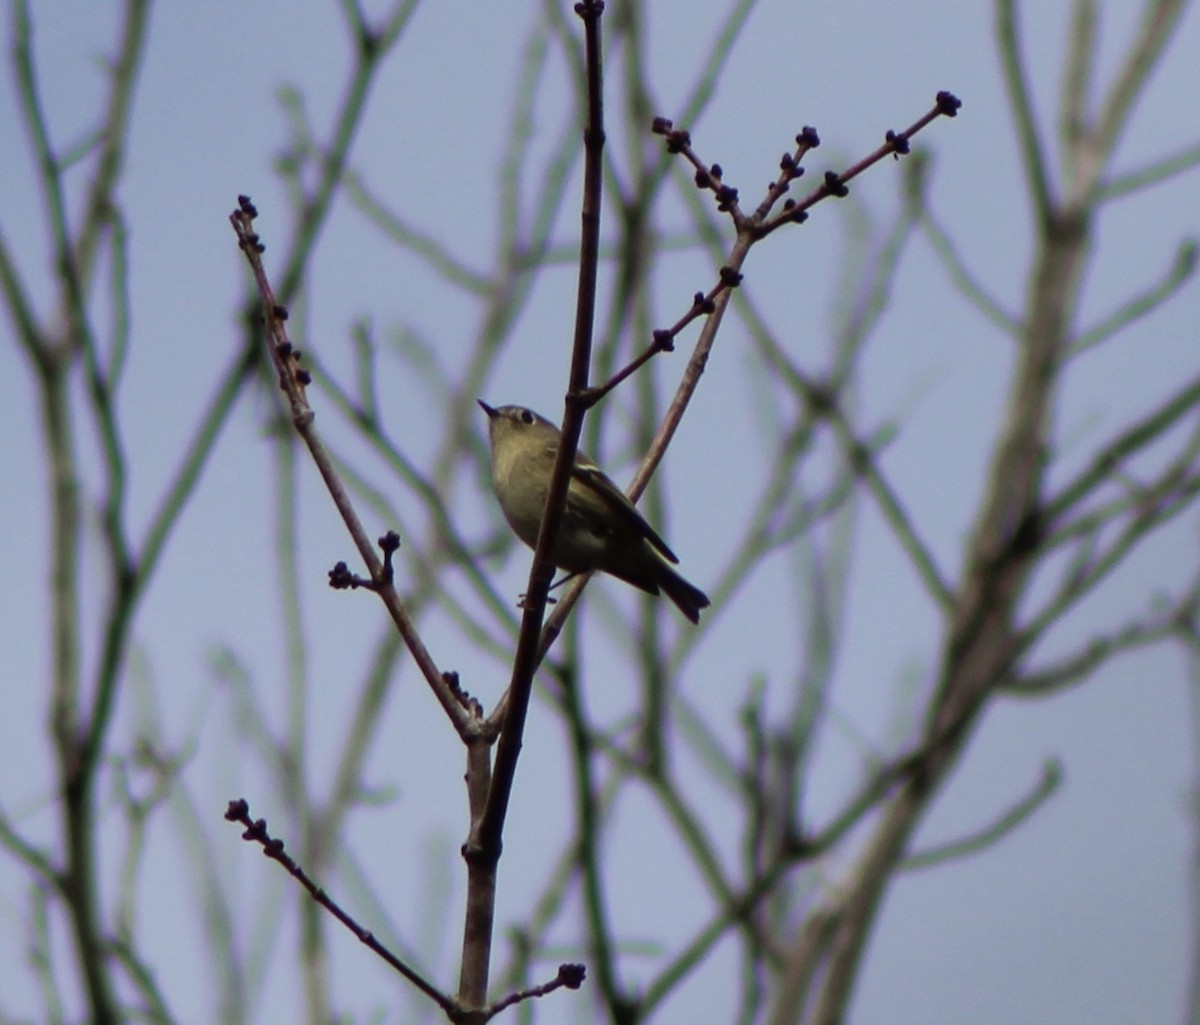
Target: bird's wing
(592, 477)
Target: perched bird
(600, 530)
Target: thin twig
(256, 832)
(1177, 275)
(570, 975)
(993, 833)
(1012, 61)
(294, 382)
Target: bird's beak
(492, 414)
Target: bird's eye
(526, 416)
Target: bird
(601, 529)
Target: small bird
(600, 530)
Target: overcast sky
(1083, 915)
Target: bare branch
(1077, 667)
(1109, 458)
(1177, 275)
(1074, 126)
(1033, 152)
(256, 832)
(483, 845)
(1159, 18)
(1153, 173)
(992, 834)
(294, 381)
(963, 279)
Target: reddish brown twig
(256, 832)
(753, 227)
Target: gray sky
(1082, 915)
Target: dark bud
(281, 313)
(789, 204)
(707, 306)
(450, 679)
(304, 377)
(834, 185)
(238, 809)
(698, 299)
(662, 125)
(730, 278)
(389, 543)
(787, 162)
(899, 143)
(678, 141)
(808, 137)
(248, 208)
(259, 247)
(664, 341)
(572, 975)
(703, 179)
(800, 216)
(716, 171)
(948, 103)
(257, 830)
(285, 349)
(727, 196)
(340, 578)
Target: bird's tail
(654, 575)
(688, 598)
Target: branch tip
(341, 579)
(948, 104)
(572, 974)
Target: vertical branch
(589, 829)
(1159, 20)
(483, 847)
(490, 828)
(1077, 83)
(1012, 61)
(481, 887)
(54, 351)
(1008, 541)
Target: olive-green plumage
(601, 529)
